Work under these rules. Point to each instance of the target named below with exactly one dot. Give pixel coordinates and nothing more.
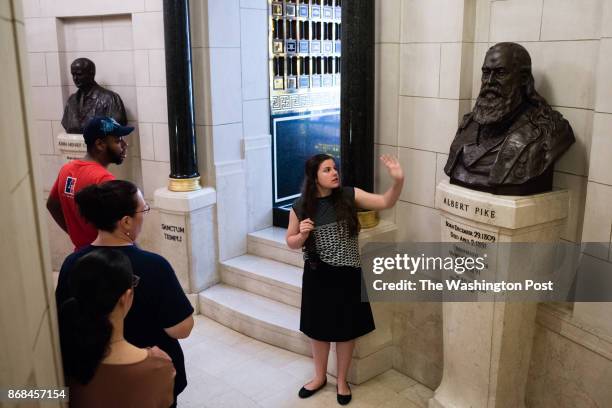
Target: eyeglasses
(135, 280)
(145, 210)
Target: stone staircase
(259, 296)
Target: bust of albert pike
(509, 143)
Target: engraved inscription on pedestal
(173, 233)
(173, 245)
(71, 145)
(456, 231)
(473, 242)
(186, 235)
(468, 208)
(501, 211)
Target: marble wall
(424, 72)
(423, 60)
(125, 40)
(256, 112)
(230, 57)
(429, 55)
(598, 211)
(571, 363)
(29, 344)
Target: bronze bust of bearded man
(509, 143)
(90, 99)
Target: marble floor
(226, 369)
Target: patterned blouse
(333, 243)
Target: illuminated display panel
(304, 63)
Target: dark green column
(357, 94)
(179, 85)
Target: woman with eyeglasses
(161, 313)
(102, 368)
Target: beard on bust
(493, 107)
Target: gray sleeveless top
(333, 243)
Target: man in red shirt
(105, 144)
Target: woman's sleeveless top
(333, 244)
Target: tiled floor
(227, 369)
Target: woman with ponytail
(323, 221)
(102, 368)
(161, 313)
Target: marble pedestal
(187, 237)
(487, 345)
(71, 145)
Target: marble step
(275, 280)
(270, 243)
(277, 324)
(256, 316)
(282, 283)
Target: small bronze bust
(509, 143)
(90, 100)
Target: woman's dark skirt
(332, 309)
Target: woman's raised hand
(393, 167)
(306, 226)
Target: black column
(357, 94)
(179, 86)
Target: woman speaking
(323, 221)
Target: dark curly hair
(105, 204)
(345, 210)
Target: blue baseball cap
(101, 126)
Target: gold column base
(367, 219)
(190, 184)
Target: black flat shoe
(343, 399)
(305, 393)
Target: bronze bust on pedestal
(509, 143)
(90, 100)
